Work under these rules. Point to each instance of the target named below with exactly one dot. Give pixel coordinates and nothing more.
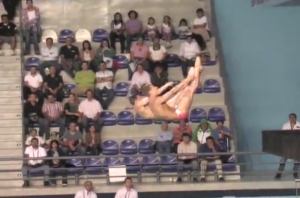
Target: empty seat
(65, 34)
(68, 88)
(128, 147)
(182, 37)
(122, 61)
(211, 86)
(132, 164)
(99, 35)
(197, 114)
(216, 114)
(125, 118)
(150, 164)
(145, 146)
(111, 161)
(122, 88)
(168, 163)
(110, 147)
(109, 118)
(32, 61)
(83, 35)
(93, 166)
(78, 167)
(140, 120)
(49, 34)
(199, 90)
(209, 63)
(173, 60)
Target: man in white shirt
(90, 112)
(127, 191)
(34, 134)
(189, 50)
(49, 57)
(35, 151)
(292, 124)
(87, 192)
(33, 83)
(200, 28)
(104, 85)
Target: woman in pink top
(177, 134)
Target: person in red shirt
(177, 134)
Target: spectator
(33, 114)
(157, 55)
(53, 113)
(57, 165)
(134, 28)
(10, 7)
(8, 32)
(71, 110)
(104, 79)
(49, 57)
(183, 28)
(117, 31)
(211, 147)
(167, 30)
(87, 192)
(200, 30)
(35, 151)
(178, 132)
(53, 136)
(33, 83)
(105, 54)
(139, 78)
(90, 112)
(87, 53)
(189, 50)
(93, 141)
(138, 56)
(202, 131)
(72, 141)
(84, 79)
(222, 135)
(164, 139)
(34, 134)
(70, 57)
(31, 26)
(151, 30)
(159, 77)
(187, 147)
(54, 84)
(127, 191)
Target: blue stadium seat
(168, 163)
(110, 147)
(122, 60)
(199, 90)
(132, 164)
(150, 164)
(173, 60)
(211, 86)
(209, 63)
(216, 114)
(68, 88)
(145, 146)
(125, 118)
(121, 89)
(226, 167)
(32, 61)
(53, 124)
(182, 37)
(128, 147)
(197, 114)
(139, 120)
(78, 167)
(35, 172)
(65, 34)
(99, 35)
(111, 161)
(93, 166)
(109, 118)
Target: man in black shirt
(7, 32)
(53, 84)
(33, 114)
(10, 7)
(159, 77)
(70, 57)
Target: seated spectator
(84, 79)
(183, 28)
(70, 57)
(164, 139)
(57, 165)
(222, 135)
(105, 54)
(71, 110)
(118, 29)
(178, 132)
(53, 84)
(202, 131)
(167, 30)
(53, 113)
(72, 141)
(33, 84)
(157, 55)
(53, 136)
(87, 54)
(34, 134)
(35, 151)
(187, 147)
(134, 28)
(200, 30)
(104, 85)
(138, 56)
(31, 26)
(33, 114)
(87, 191)
(93, 141)
(189, 50)
(211, 147)
(49, 57)
(151, 30)
(8, 32)
(90, 112)
(139, 78)
(159, 77)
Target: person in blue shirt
(164, 139)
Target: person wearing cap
(134, 28)
(164, 139)
(33, 83)
(189, 50)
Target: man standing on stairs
(10, 7)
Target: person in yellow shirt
(84, 79)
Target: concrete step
(10, 87)
(11, 108)
(11, 184)
(10, 101)
(10, 73)
(5, 94)
(10, 59)
(11, 175)
(16, 152)
(12, 79)
(11, 123)
(11, 137)
(11, 116)
(13, 130)
(10, 144)
(11, 66)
